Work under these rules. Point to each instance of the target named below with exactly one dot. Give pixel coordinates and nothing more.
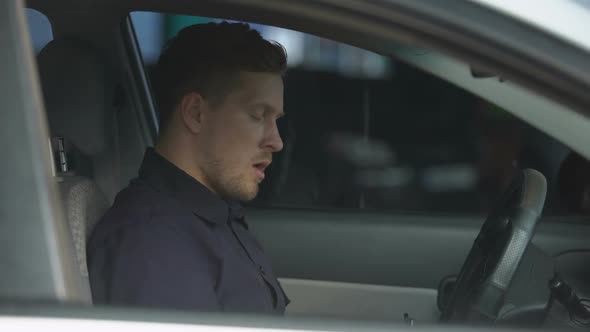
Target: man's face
(239, 136)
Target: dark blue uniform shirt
(169, 242)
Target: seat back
(79, 99)
(84, 204)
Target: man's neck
(182, 159)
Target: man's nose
(273, 141)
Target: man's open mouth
(260, 167)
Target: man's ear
(192, 106)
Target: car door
(359, 262)
(343, 250)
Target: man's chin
(251, 194)
(246, 193)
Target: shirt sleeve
(155, 264)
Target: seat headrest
(79, 94)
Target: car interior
(372, 209)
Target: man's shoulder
(134, 203)
(138, 205)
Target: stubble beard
(229, 183)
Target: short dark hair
(206, 57)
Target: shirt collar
(167, 178)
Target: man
(176, 236)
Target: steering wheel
(497, 251)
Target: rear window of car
(367, 132)
(40, 29)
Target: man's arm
(154, 263)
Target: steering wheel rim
(497, 251)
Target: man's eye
(256, 117)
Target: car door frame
(36, 248)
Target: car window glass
(39, 28)
(365, 131)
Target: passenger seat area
(80, 100)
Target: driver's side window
(365, 131)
